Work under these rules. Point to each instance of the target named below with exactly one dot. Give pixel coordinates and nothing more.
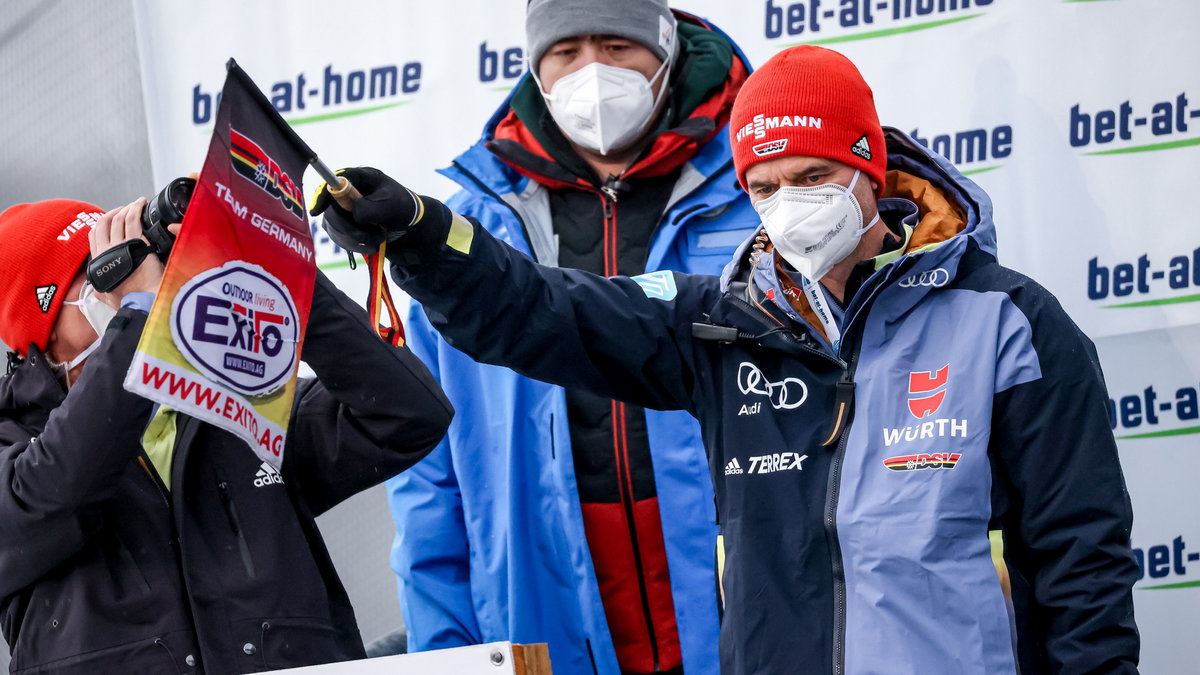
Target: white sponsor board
(1154, 389)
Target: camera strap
(107, 270)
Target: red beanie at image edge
(807, 101)
(44, 246)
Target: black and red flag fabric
(223, 340)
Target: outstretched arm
(623, 338)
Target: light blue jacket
(490, 542)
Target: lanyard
(379, 300)
(820, 307)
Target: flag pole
(344, 194)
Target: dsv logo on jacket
(786, 395)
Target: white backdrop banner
(1081, 118)
(1154, 409)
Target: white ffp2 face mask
(98, 314)
(604, 107)
(63, 368)
(814, 228)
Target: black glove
(386, 211)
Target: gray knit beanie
(647, 22)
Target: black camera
(167, 207)
(107, 270)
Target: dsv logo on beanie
(237, 324)
(770, 147)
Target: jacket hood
(509, 153)
(27, 395)
(952, 208)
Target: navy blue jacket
(856, 488)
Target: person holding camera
(137, 539)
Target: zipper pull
(227, 502)
(843, 403)
(613, 187)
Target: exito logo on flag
(927, 390)
(237, 325)
(223, 340)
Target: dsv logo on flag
(788, 394)
(936, 278)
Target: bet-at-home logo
(334, 93)
(828, 21)
(1158, 410)
(1168, 565)
(1150, 279)
(971, 150)
(1113, 128)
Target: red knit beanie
(42, 247)
(807, 101)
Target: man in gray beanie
(604, 104)
(542, 517)
(650, 23)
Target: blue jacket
(856, 487)
(490, 541)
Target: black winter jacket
(103, 570)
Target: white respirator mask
(604, 107)
(814, 228)
(98, 314)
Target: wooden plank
(531, 659)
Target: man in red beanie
(137, 539)
(882, 402)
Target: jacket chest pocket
(235, 525)
(713, 240)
